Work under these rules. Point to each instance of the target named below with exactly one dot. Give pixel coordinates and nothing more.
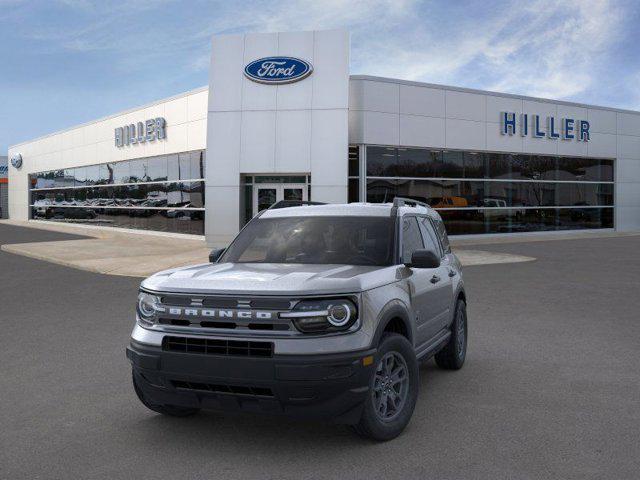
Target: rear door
(423, 287)
(442, 285)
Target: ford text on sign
(278, 70)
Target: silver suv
(319, 311)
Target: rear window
(442, 233)
(315, 240)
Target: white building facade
(282, 119)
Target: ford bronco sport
(319, 311)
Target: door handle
(435, 279)
(452, 273)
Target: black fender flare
(393, 309)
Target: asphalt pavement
(550, 390)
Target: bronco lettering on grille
(219, 313)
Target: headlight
(147, 307)
(323, 315)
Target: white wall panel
(223, 161)
(422, 101)
(257, 147)
(465, 106)
(381, 97)
(628, 194)
(196, 135)
(628, 219)
(628, 146)
(227, 73)
(175, 111)
(602, 145)
(419, 131)
(293, 141)
(628, 170)
(502, 143)
(543, 145)
(356, 126)
(602, 121)
(356, 95)
(329, 149)
(179, 138)
(197, 106)
(381, 128)
(222, 219)
(628, 124)
(331, 69)
(465, 134)
(329, 193)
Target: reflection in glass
(266, 198)
(138, 171)
(157, 169)
(353, 193)
(173, 167)
(354, 161)
(120, 172)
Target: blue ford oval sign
(16, 160)
(278, 70)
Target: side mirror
(424, 259)
(215, 255)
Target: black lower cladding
(329, 387)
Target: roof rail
(402, 201)
(293, 203)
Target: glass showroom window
(163, 193)
(478, 192)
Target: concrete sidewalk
(112, 251)
(138, 253)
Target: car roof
(346, 210)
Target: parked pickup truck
(315, 311)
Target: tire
(373, 423)
(452, 356)
(170, 410)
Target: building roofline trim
(489, 92)
(117, 114)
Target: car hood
(270, 279)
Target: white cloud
(540, 48)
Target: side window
(411, 238)
(430, 238)
(442, 233)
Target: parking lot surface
(550, 390)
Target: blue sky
(70, 61)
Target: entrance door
(266, 194)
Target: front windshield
(319, 240)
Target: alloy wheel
(390, 387)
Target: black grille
(208, 346)
(231, 389)
(275, 325)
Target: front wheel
(393, 390)
(170, 410)
(452, 356)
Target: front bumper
(329, 387)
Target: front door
(266, 194)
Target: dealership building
(283, 119)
